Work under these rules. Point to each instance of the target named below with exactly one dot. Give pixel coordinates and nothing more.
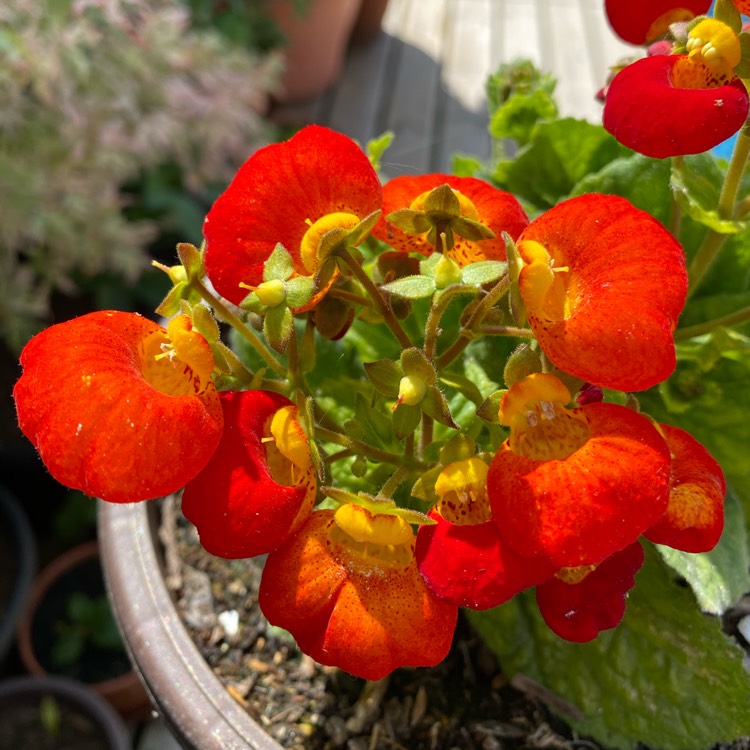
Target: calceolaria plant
(428, 395)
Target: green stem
(357, 299)
(377, 298)
(437, 310)
(397, 459)
(675, 212)
(393, 481)
(223, 312)
(426, 433)
(521, 333)
(739, 316)
(714, 241)
(468, 331)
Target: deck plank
(423, 78)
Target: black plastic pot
(85, 720)
(183, 689)
(108, 672)
(18, 539)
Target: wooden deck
(423, 77)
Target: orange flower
(347, 587)
(497, 210)
(603, 284)
(290, 193)
(575, 485)
(119, 407)
(259, 485)
(578, 603)
(694, 518)
(463, 557)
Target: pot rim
(182, 687)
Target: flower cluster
(376, 536)
(688, 94)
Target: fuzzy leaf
(412, 287)
(370, 425)
(191, 259)
(442, 202)
(517, 116)
(435, 405)
(719, 577)
(489, 411)
(279, 264)
(667, 676)
(385, 375)
(170, 305)
(299, 290)
(463, 385)
(410, 221)
(277, 327)
(696, 187)
(483, 271)
(415, 364)
(424, 487)
(405, 420)
(376, 147)
(474, 231)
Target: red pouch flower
(259, 485)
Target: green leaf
(559, 154)
(483, 271)
(725, 11)
(385, 376)
(370, 425)
(405, 420)
(719, 577)
(279, 264)
(667, 676)
(443, 202)
(463, 385)
(464, 165)
(412, 287)
(299, 291)
(376, 147)
(191, 259)
(435, 405)
(277, 327)
(416, 365)
(410, 221)
(697, 185)
(517, 117)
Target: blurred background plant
(116, 118)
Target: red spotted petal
(578, 612)
(471, 566)
(647, 112)
(366, 621)
(743, 6)
(694, 518)
(609, 318)
(580, 509)
(98, 424)
(275, 196)
(642, 21)
(237, 504)
(496, 209)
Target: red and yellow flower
(479, 201)
(291, 193)
(694, 518)
(574, 485)
(642, 21)
(347, 587)
(603, 284)
(578, 603)
(259, 485)
(119, 407)
(671, 105)
(463, 557)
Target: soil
(465, 703)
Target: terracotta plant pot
(369, 21)
(85, 719)
(19, 546)
(76, 570)
(317, 40)
(196, 706)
